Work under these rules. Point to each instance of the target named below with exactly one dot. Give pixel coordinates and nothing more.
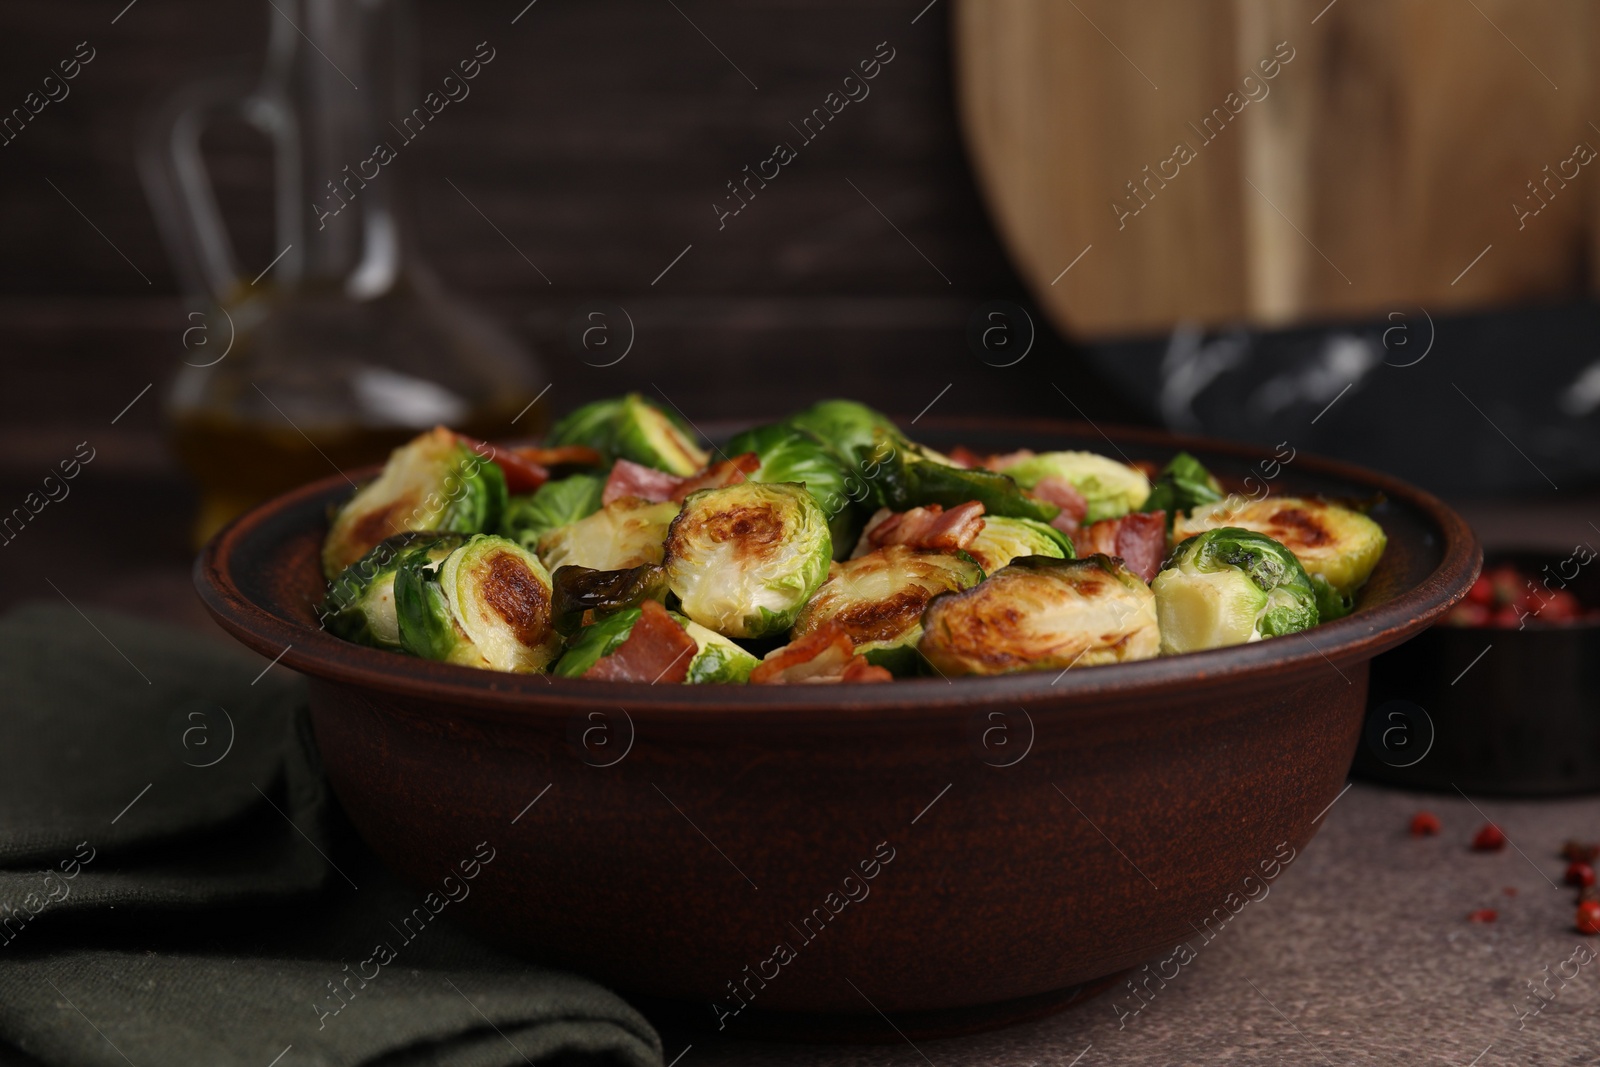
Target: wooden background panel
(1381, 161)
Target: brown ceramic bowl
(1043, 831)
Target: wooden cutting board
(1278, 161)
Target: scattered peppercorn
(1580, 875)
(1588, 920)
(1425, 824)
(1489, 838)
(1483, 915)
(1579, 852)
(1510, 890)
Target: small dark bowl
(1045, 831)
(1492, 709)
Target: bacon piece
(930, 527)
(563, 456)
(656, 650)
(635, 479)
(523, 475)
(824, 655)
(1054, 489)
(1139, 540)
(965, 458)
(719, 475)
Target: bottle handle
(179, 186)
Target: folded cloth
(177, 885)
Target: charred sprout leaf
(579, 590)
(1003, 540)
(743, 559)
(1183, 485)
(433, 482)
(906, 480)
(789, 453)
(624, 533)
(486, 604)
(877, 598)
(717, 659)
(550, 507)
(1042, 613)
(1334, 543)
(1111, 489)
(360, 602)
(631, 427)
(593, 642)
(1230, 586)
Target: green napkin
(177, 885)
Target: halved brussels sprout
(623, 534)
(631, 427)
(360, 602)
(1230, 586)
(789, 453)
(718, 659)
(551, 506)
(1183, 485)
(906, 480)
(1003, 540)
(1042, 613)
(486, 604)
(876, 598)
(433, 482)
(1334, 544)
(744, 559)
(1111, 489)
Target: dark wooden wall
(597, 141)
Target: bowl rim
(1348, 641)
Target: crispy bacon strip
(930, 527)
(1054, 489)
(719, 475)
(825, 655)
(656, 650)
(1140, 540)
(523, 475)
(564, 456)
(633, 479)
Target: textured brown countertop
(1361, 954)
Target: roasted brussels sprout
(1230, 586)
(1110, 488)
(551, 506)
(624, 533)
(433, 482)
(1003, 540)
(789, 453)
(360, 602)
(906, 480)
(844, 425)
(717, 659)
(745, 558)
(877, 598)
(1042, 613)
(485, 604)
(631, 427)
(1183, 485)
(1337, 547)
